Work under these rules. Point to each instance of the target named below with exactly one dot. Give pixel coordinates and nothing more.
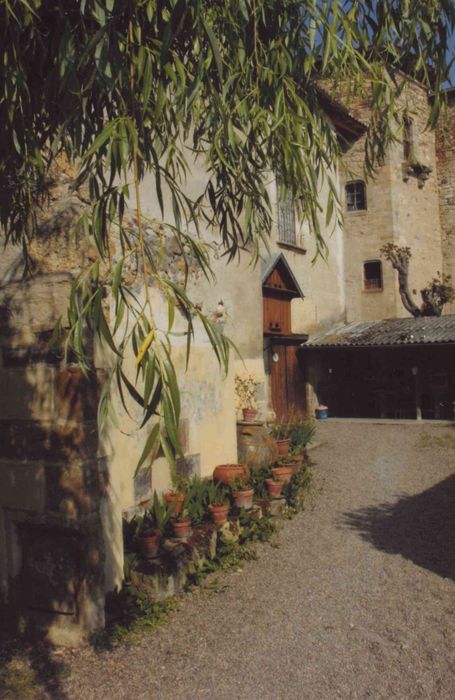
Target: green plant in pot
(218, 504)
(181, 523)
(152, 526)
(274, 487)
(242, 493)
(245, 395)
(177, 496)
(301, 435)
(282, 472)
(292, 460)
(281, 431)
(197, 499)
(258, 478)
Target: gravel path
(357, 602)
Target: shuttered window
(285, 217)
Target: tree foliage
(127, 88)
(438, 292)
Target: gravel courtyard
(356, 602)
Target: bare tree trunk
(402, 266)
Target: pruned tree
(438, 292)
(127, 88)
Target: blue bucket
(322, 413)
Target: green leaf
(150, 447)
(215, 50)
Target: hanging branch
(126, 89)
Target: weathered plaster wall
(321, 279)
(415, 204)
(399, 210)
(445, 153)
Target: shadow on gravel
(420, 528)
(30, 672)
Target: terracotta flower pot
(149, 544)
(181, 527)
(274, 488)
(249, 414)
(176, 499)
(243, 498)
(282, 474)
(295, 466)
(282, 447)
(226, 473)
(219, 513)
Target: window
(285, 217)
(372, 275)
(356, 196)
(408, 139)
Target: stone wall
(53, 477)
(445, 152)
(402, 207)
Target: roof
(426, 330)
(343, 120)
(274, 261)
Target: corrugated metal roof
(399, 331)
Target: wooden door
(286, 376)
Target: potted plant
(274, 487)
(227, 473)
(178, 494)
(282, 472)
(152, 526)
(242, 493)
(292, 460)
(245, 394)
(281, 432)
(217, 500)
(302, 433)
(181, 523)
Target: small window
(356, 196)
(408, 139)
(372, 275)
(285, 217)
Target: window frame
(356, 195)
(285, 214)
(366, 280)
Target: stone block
(76, 394)
(27, 393)
(277, 507)
(51, 441)
(229, 532)
(22, 485)
(29, 307)
(75, 490)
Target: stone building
(408, 203)
(64, 487)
